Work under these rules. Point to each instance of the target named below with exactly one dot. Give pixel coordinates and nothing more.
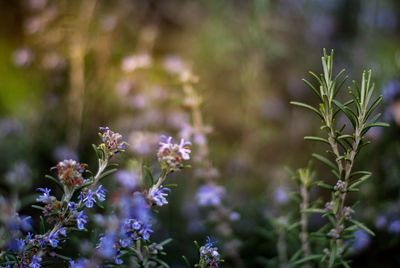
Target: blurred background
(69, 67)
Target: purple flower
(127, 179)
(62, 231)
(81, 220)
(159, 195)
(394, 226)
(145, 231)
(88, 198)
(362, 240)
(111, 141)
(101, 193)
(53, 239)
(210, 195)
(106, 245)
(391, 91)
(171, 155)
(380, 221)
(35, 262)
(81, 263)
(117, 259)
(209, 254)
(72, 205)
(46, 197)
(16, 245)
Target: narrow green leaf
(28, 200)
(348, 114)
(294, 225)
(306, 106)
(296, 255)
(166, 241)
(344, 263)
(313, 138)
(362, 226)
(361, 172)
(345, 137)
(96, 151)
(312, 210)
(42, 226)
(106, 173)
(358, 181)
(55, 181)
(325, 160)
(336, 206)
(38, 207)
(313, 88)
(324, 185)
(340, 85)
(332, 258)
(308, 258)
(148, 177)
(63, 257)
(372, 107)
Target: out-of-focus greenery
(249, 56)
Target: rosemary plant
(343, 148)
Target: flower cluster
(70, 173)
(111, 141)
(171, 155)
(114, 240)
(209, 255)
(340, 186)
(88, 197)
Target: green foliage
(336, 234)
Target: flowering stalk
(209, 194)
(65, 214)
(344, 148)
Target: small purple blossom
(72, 205)
(53, 239)
(159, 195)
(46, 197)
(101, 193)
(117, 259)
(35, 263)
(88, 198)
(81, 220)
(16, 245)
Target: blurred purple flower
(361, 240)
(63, 152)
(133, 62)
(81, 220)
(394, 226)
(35, 263)
(22, 57)
(380, 221)
(127, 179)
(210, 195)
(281, 196)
